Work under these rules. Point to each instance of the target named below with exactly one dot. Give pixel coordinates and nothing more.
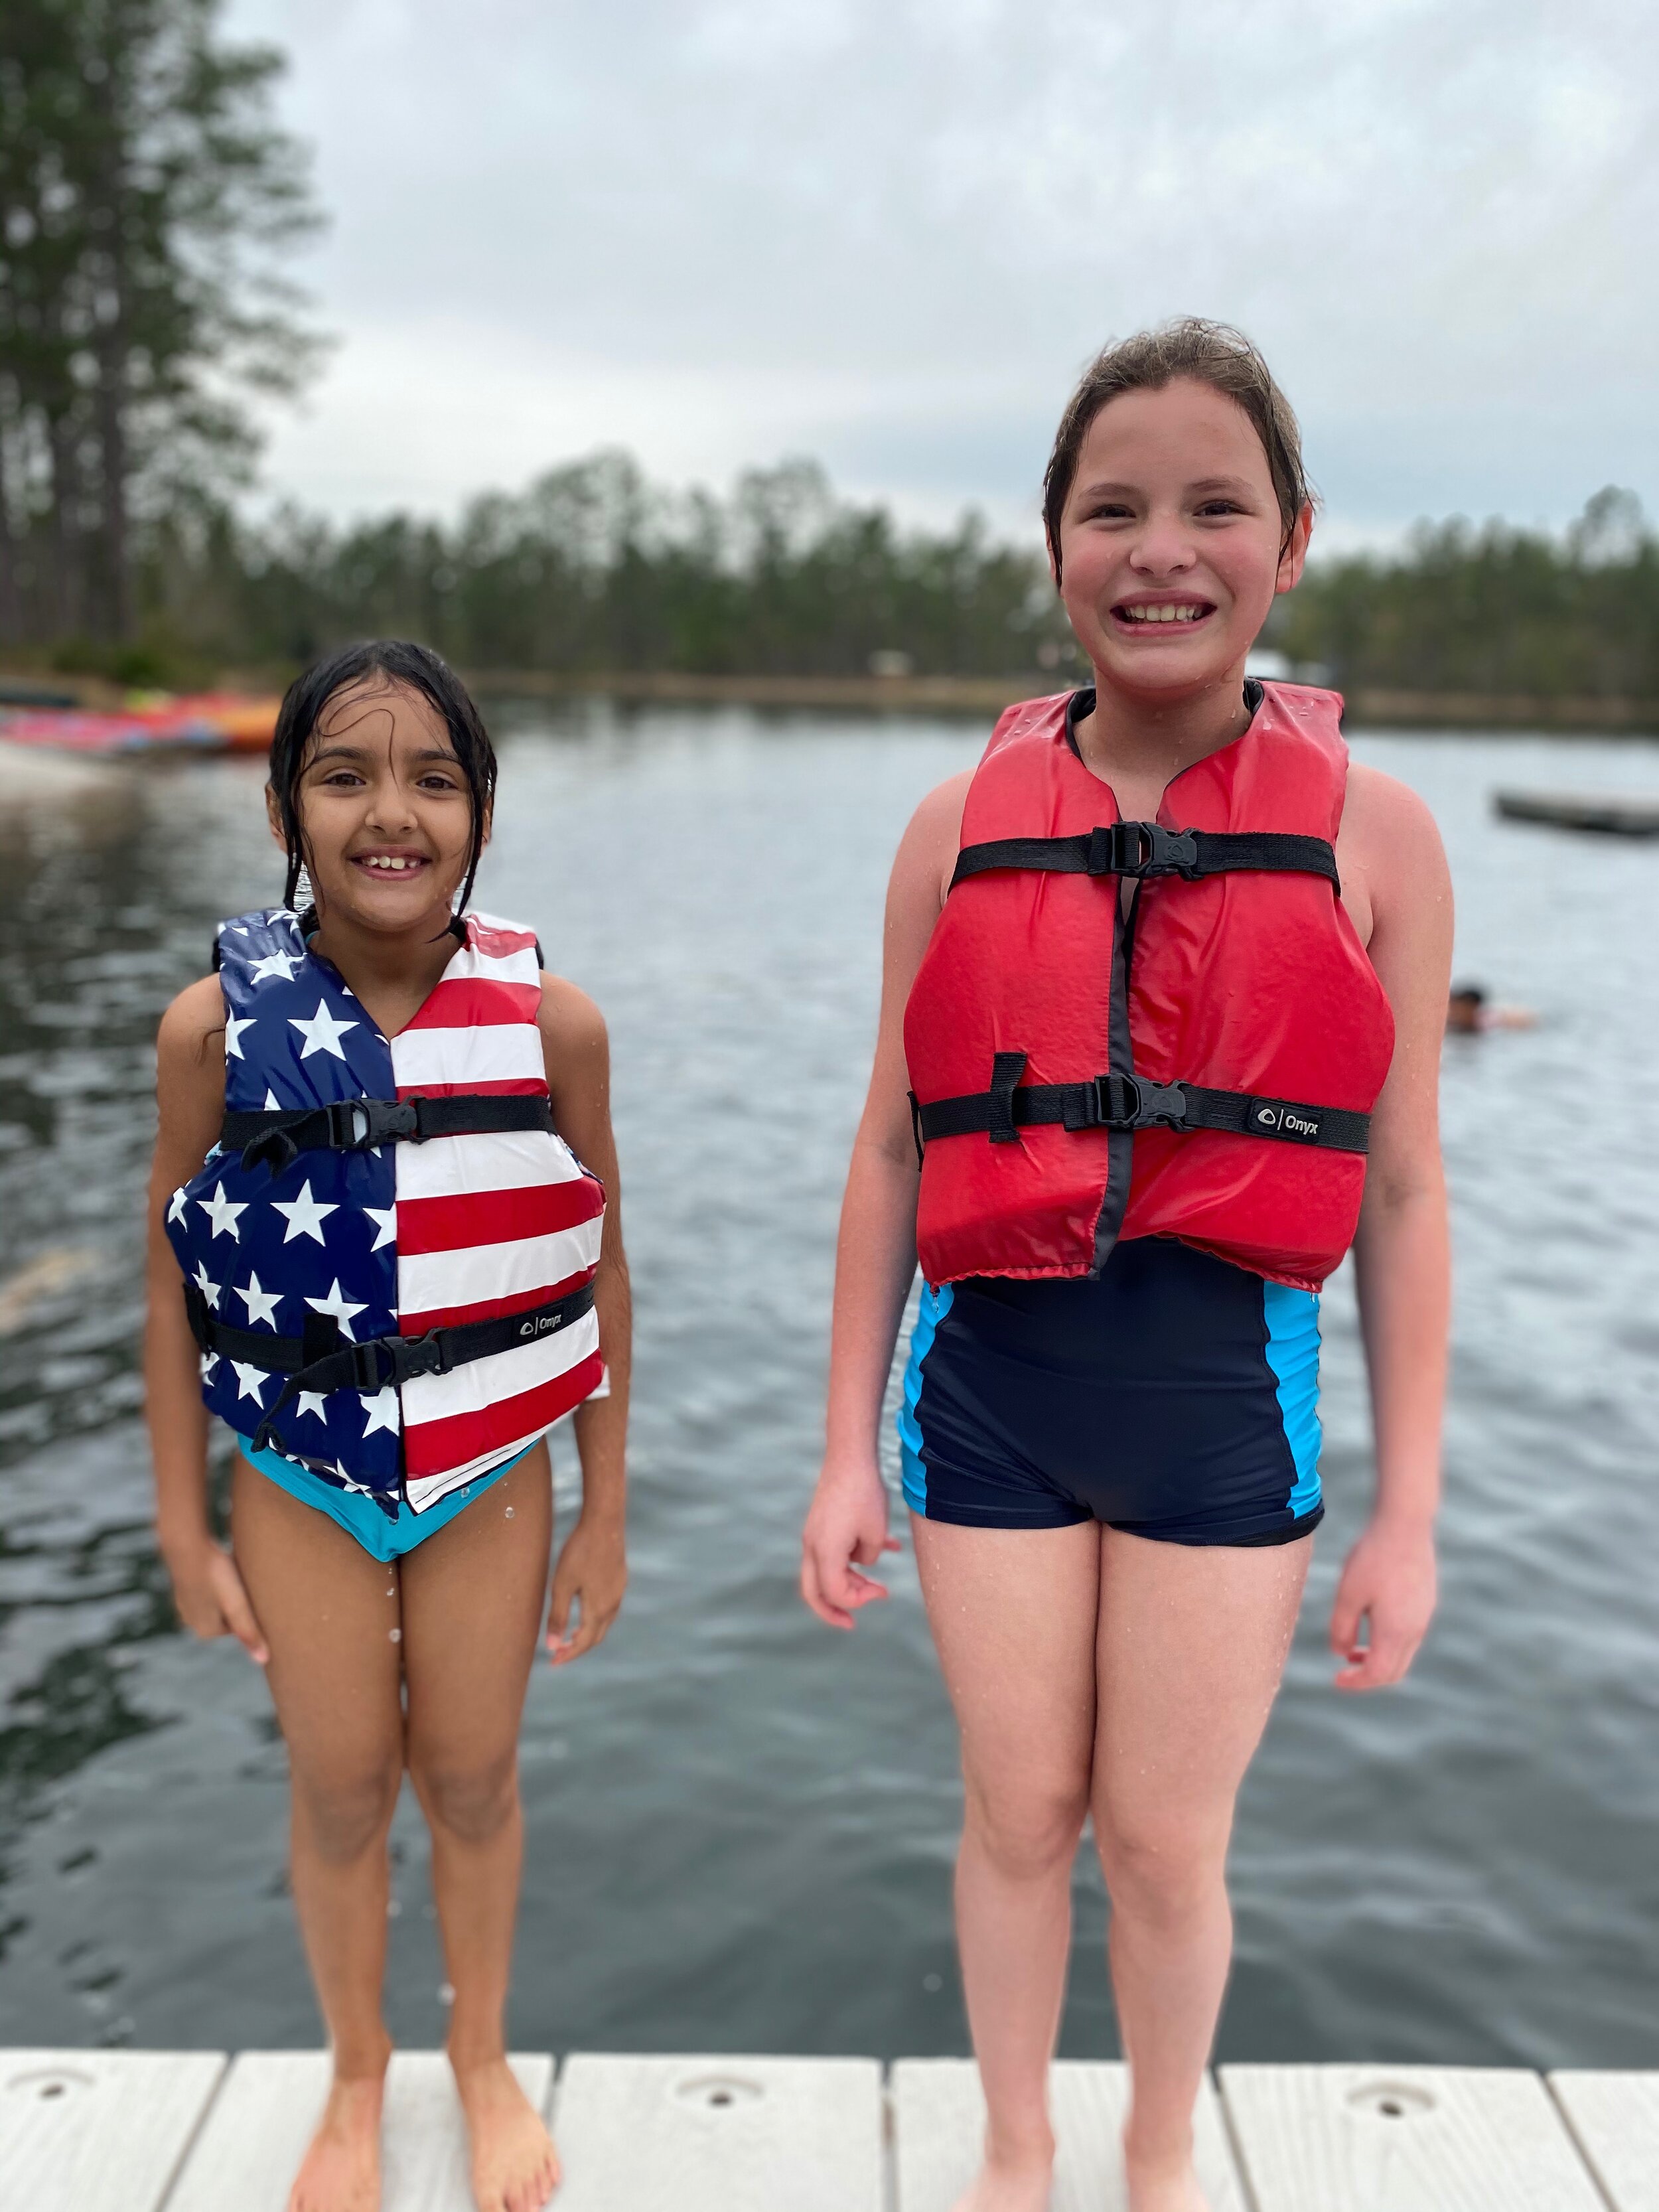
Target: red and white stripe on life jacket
(487, 1224)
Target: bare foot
(1164, 2186)
(515, 2167)
(341, 2170)
(1017, 2181)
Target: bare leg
(474, 1596)
(1193, 1642)
(1013, 1613)
(329, 1613)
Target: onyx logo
(1287, 1121)
(541, 1325)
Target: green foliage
(1493, 610)
(143, 195)
(593, 570)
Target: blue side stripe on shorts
(931, 1310)
(1293, 1319)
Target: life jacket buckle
(1129, 1101)
(1142, 848)
(419, 1355)
(357, 1125)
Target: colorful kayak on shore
(206, 722)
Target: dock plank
(1614, 2119)
(938, 2118)
(720, 2134)
(250, 2149)
(98, 2130)
(1403, 2139)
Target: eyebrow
(1106, 489)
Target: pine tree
(146, 199)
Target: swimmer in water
(385, 1249)
(1468, 1013)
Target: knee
(1027, 1832)
(471, 1799)
(1160, 1869)
(345, 1813)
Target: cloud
(890, 235)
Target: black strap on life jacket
(320, 1361)
(275, 1137)
(1129, 1101)
(1147, 848)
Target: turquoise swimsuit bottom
(360, 1516)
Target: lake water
(741, 1826)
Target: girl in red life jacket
(1165, 980)
(376, 1252)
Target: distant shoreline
(979, 696)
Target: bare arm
(1401, 1253)
(876, 1251)
(592, 1571)
(189, 1092)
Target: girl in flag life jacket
(383, 1167)
(1165, 979)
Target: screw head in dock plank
(250, 2149)
(720, 2134)
(98, 2130)
(1614, 2118)
(938, 2123)
(1403, 2139)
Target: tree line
(146, 199)
(594, 570)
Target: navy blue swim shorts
(1174, 1396)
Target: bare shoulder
(570, 1023)
(1390, 840)
(195, 1017)
(928, 851)
(1383, 815)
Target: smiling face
(1172, 543)
(384, 808)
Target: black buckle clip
(419, 1355)
(357, 1124)
(1142, 848)
(1129, 1101)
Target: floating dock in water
(196, 2131)
(1604, 813)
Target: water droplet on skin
(447, 1993)
(509, 1512)
(397, 1636)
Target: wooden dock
(1606, 814)
(195, 2131)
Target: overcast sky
(889, 233)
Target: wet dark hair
(417, 668)
(1210, 352)
(1469, 994)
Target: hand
(1389, 1584)
(593, 1574)
(212, 1599)
(847, 1523)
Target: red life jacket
(1204, 1070)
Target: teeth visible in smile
(1187, 613)
(387, 860)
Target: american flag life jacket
(389, 1255)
